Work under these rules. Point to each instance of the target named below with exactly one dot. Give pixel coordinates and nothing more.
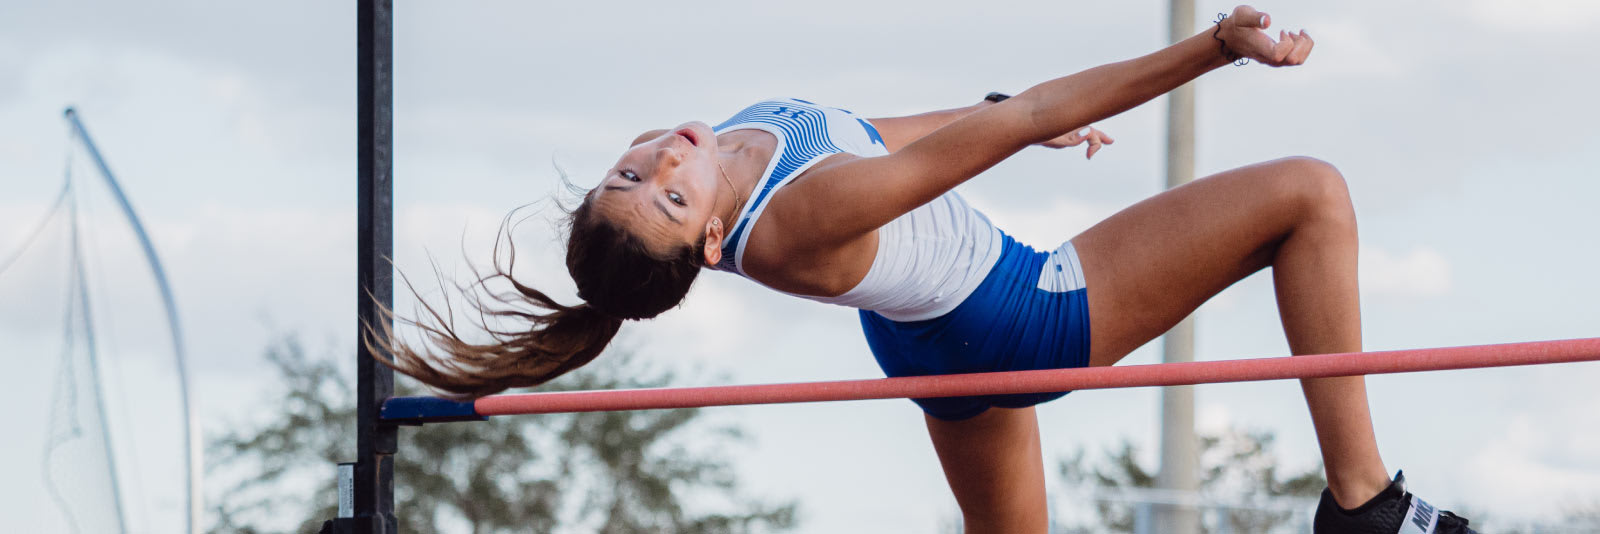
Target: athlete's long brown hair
(618, 279)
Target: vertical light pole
(1179, 447)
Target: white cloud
(1420, 272)
(1349, 48)
(1531, 461)
(1541, 16)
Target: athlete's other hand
(1096, 139)
(1244, 34)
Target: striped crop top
(928, 260)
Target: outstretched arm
(897, 132)
(876, 190)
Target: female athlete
(813, 201)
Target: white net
(95, 437)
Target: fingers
(1248, 17)
(1073, 138)
(1097, 139)
(1281, 49)
(1302, 49)
(1079, 136)
(1291, 49)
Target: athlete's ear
(714, 234)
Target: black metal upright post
(366, 489)
(375, 441)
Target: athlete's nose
(669, 157)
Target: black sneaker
(1393, 511)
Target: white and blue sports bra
(928, 260)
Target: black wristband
(996, 97)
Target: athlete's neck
(744, 155)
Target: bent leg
(1154, 263)
(995, 468)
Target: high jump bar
(419, 410)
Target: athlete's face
(664, 189)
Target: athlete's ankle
(1350, 492)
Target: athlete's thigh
(1150, 265)
(995, 468)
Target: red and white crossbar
(417, 410)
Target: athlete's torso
(918, 266)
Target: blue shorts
(1030, 312)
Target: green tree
(1236, 466)
(611, 472)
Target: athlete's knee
(1320, 188)
(1317, 179)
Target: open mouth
(694, 138)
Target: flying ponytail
(617, 277)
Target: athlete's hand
(1096, 139)
(1243, 34)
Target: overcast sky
(1465, 130)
